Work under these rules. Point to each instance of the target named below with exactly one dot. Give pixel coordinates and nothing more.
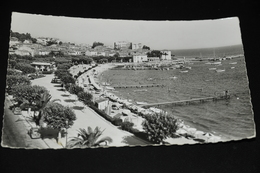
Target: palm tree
(41, 102)
(88, 138)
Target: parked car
(55, 80)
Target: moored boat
(212, 68)
(220, 70)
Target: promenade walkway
(86, 116)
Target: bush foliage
(25, 68)
(159, 126)
(14, 80)
(85, 97)
(27, 93)
(12, 72)
(56, 115)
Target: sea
(231, 119)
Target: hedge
(47, 72)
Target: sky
(155, 34)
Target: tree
(75, 89)
(25, 68)
(14, 80)
(57, 116)
(67, 78)
(41, 102)
(13, 72)
(159, 126)
(146, 47)
(154, 53)
(85, 97)
(60, 72)
(95, 44)
(88, 138)
(12, 63)
(27, 94)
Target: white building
(42, 66)
(91, 53)
(166, 55)
(122, 44)
(140, 58)
(137, 46)
(44, 52)
(102, 103)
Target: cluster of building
(122, 48)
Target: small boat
(208, 63)
(110, 88)
(216, 63)
(232, 67)
(212, 68)
(233, 63)
(174, 77)
(185, 71)
(141, 103)
(220, 70)
(149, 79)
(188, 68)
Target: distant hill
(209, 52)
(21, 36)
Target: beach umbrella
(198, 134)
(191, 130)
(207, 134)
(181, 131)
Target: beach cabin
(102, 103)
(140, 58)
(42, 66)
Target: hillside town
(42, 46)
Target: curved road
(87, 117)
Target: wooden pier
(139, 86)
(186, 101)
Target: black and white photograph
(76, 82)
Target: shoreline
(185, 131)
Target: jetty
(186, 102)
(139, 86)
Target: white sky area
(155, 34)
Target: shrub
(65, 66)
(25, 68)
(47, 72)
(27, 93)
(75, 89)
(67, 78)
(85, 97)
(117, 121)
(159, 126)
(127, 125)
(14, 80)
(60, 72)
(56, 115)
(13, 72)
